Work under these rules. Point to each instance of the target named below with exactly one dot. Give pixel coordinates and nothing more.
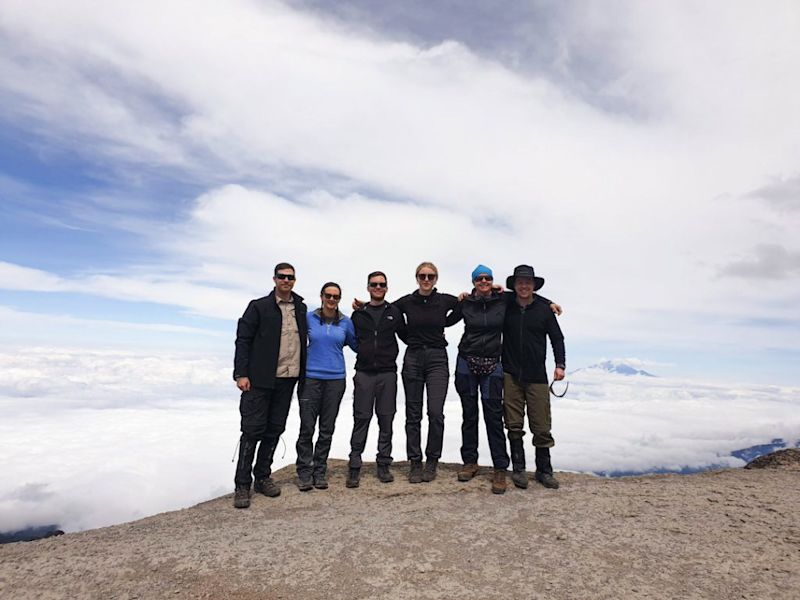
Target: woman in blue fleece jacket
(328, 333)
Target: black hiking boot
(518, 475)
(267, 487)
(320, 481)
(304, 483)
(241, 497)
(415, 473)
(429, 474)
(544, 470)
(353, 478)
(384, 474)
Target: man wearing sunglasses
(270, 359)
(377, 325)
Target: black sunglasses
(484, 278)
(331, 296)
(377, 284)
(288, 276)
(426, 276)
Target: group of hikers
(501, 357)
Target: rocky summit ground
(723, 534)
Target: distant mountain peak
(619, 367)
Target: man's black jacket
(524, 343)
(377, 344)
(258, 340)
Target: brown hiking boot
(467, 472)
(241, 497)
(266, 487)
(499, 481)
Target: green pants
(534, 396)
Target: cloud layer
(90, 439)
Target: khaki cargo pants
(536, 398)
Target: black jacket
(426, 318)
(484, 318)
(258, 340)
(377, 345)
(483, 324)
(524, 343)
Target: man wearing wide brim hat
(525, 329)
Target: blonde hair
(430, 265)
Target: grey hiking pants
(425, 369)
(373, 392)
(319, 399)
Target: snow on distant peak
(618, 367)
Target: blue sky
(156, 161)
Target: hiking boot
(544, 469)
(353, 478)
(320, 481)
(547, 480)
(520, 479)
(499, 481)
(518, 476)
(429, 474)
(384, 474)
(415, 474)
(304, 483)
(267, 487)
(241, 497)
(467, 472)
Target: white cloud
(17, 277)
(629, 216)
(90, 439)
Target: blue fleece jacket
(325, 343)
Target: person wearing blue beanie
(481, 270)
(479, 370)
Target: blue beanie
(481, 270)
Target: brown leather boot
(467, 472)
(499, 481)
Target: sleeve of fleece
(402, 328)
(543, 299)
(245, 332)
(350, 336)
(556, 340)
(455, 315)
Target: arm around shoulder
(350, 335)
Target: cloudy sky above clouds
(157, 159)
